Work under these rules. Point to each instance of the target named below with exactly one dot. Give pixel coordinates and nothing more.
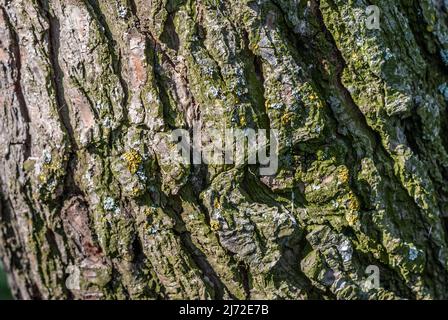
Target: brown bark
(94, 205)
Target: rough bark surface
(90, 91)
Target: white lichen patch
(46, 157)
(345, 250)
(122, 12)
(413, 253)
(110, 205)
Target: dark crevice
(137, 250)
(419, 27)
(70, 187)
(169, 35)
(58, 75)
(380, 153)
(94, 8)
(9, 234)
(17, 83)
(412, 128)
(231, 255)
(201, 261)
(56, 254)
(167, 108)
(133, 7)
(245, 277)
(258, 66)
(256, 81)
(444, 128)
(445, 224)
(199, 258)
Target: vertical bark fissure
(18, 85)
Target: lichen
(134, 160)
(215, 225)
(110, 205)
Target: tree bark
(94, 206)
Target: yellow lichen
(54, 167)
(353, 203)
(215, 225)
(255, 47)
(351, 217)
(137, 192)
(243, 121)
(149, 211)
(344, 175)
(133, 159)
(286, 118)
(217, 205)
(42, 178)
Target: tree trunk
(95, 205)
